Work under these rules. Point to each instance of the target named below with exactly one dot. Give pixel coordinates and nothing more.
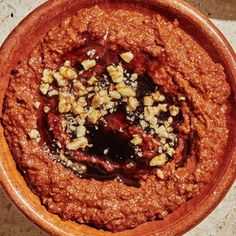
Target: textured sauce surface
(177, 64)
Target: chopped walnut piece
(162, 108)
(165, 146)
(132, 104)
(90, 88)
(34, 134)
(143, 124)
(53, 92)
(125, 90)
(88, 64)
(82, 101)
(137, 140)
(134, 77)
(69, 163)
(148, 101)
(37, 105)
(116, 73)
(174, 110)
(92, 80)
(67, 63)
(77, 143)
(127, 56)
(149, 113)
(182, 98)
(163, 141)
(77, 108)
(160, 174)
(79, 88)
(170, 151)
(103, 112)
(170, 120)
(162, 132)
(79, 168)
(63, 157)
(114, 94)
(157, 96)
(110, 105)
(93, 115)
(159, 160)
(65, 102)
(100, 98)
(68, 73)
(80, 131)
(60, 79)
(80, 119)
(166, 124)
(44, 88)
(47, 76)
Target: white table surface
(222, 221)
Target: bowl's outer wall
(18, 46)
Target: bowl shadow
(216, 9)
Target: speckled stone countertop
(222, 221)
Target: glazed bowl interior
(21, 42)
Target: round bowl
(29, 31)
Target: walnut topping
(132, 104)
(134, 77)
(137, 140)
(125, 90)
(81, 131)
(37, 105)
(44, 88)
(88, 100)
(93, 115)
(159, 160)
(79, 168)
(149, 113)
(34, 134)
(80, 119)
(63, 157)
(157, 96)
(116, 73)
(148, 101)
(77, 108)
(65, 102)
(174, 111)
(160, 174)
(127, 56)
(67, 72)
(90, 89)
(77, 143)
(170, 151)
(143, 124)
(114, 94)
(100, 98)
(162, 132)
(110, 105)
(48, 76)
(170, 120)
(53, 92)
(79, 88)
(88, 64)
(92, 80)
(60, 79)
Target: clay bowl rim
(29, 204)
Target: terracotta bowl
(24, 38)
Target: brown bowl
(30, 30)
